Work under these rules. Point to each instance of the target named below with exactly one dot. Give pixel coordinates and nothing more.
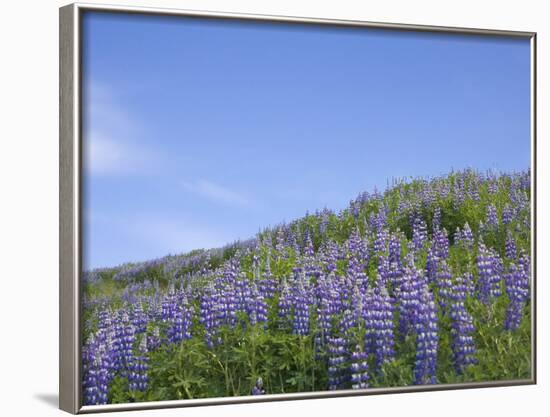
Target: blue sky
(198, 133)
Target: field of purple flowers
(426, 283)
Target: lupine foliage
(425, 283)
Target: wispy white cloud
(217, 193)
(106, 156)
(113, 138)
(172, 234)
(148, 235)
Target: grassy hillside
(425, 283)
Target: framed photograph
(260, 208)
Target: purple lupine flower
(489, 266)
(228, 301)
(280, 244)
(127, 341)
(352, 319)
(96, 376)
(381, 240)
(444, 284)
(267, 286)
(441, 244)
(427, 339)
(432, 265)
(525, 180)
(517, 288)
(104, 320)
(301, 311)
(292, 241)
(384, 274)
(382, 216)
(427, 196)
(209, 316)
(394, 255)
(491, 218)
(359, 369)
(467, 237)
(348, 321)
(420, 234)
(241, 292)
(507, 214)
(408, 297)
(354, 209)
(309, 251)
(458, 236)
(473, 189)
(394, 273)
(180, 328)
(357, 253)
(168, 305)
(324, 316)
(467, 280)
(519, 200)
(137, 369)
(258, 388)
(492, 186)
(459, 191)
(256, 307)
(336, 349)
(329, 305)
(510, 246)
(444, 189)
(438, 252)
(358, 249)
(329, 256)
(285, 302)
(323, 224)
(462, 326)
(153, 340)
(309, 262)
(177, 313)
(117, 336)
(378, 314)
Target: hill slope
(425, 283)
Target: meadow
(427, 282)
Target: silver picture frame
(70, 206)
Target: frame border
(70, 208)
